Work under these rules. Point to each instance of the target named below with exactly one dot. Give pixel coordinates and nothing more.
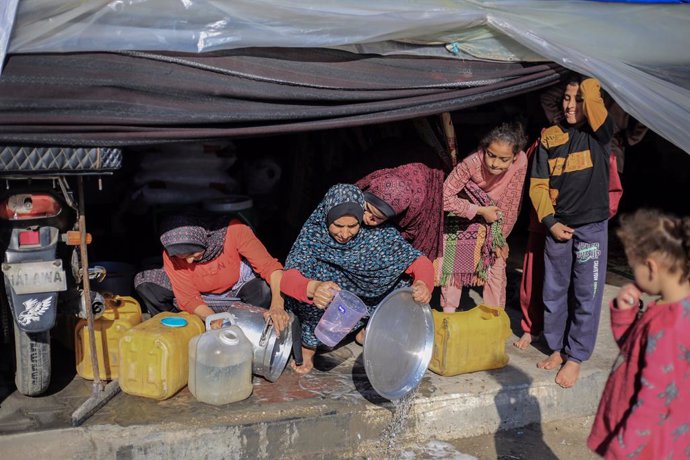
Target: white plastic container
(220, 364)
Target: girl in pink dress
(643, 412)
(483, 195)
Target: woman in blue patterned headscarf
(333, 251)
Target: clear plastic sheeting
(639, 52)
(8, 9)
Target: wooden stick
(451, 139)
(97, 385)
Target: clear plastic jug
(220, 364)
(340, 317)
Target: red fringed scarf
(469, 245)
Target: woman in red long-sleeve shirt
(211, 256)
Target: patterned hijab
(369, 265)
(415, 192)
(189, 231)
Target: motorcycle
(41, 267)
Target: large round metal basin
(398, 345)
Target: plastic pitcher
(339, 318)
(220, 364)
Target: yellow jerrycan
(120, 315)
(154, 358)
(469, 341)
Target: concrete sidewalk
(332, 412)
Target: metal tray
(398, 345)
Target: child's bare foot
(359, 338)
(524, 341)
(568, 374)
(554, 360)
(307, 361)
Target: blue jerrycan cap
(174, 321)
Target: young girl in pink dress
(483, 195)
(644, 410)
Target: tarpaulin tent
(262, 66)
(119, 99)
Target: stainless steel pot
(271, 352)
(398, 345)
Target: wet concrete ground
(562, 439)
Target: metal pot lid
(398, 346)
(271, 352)
(274, 353)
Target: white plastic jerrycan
(220, 363)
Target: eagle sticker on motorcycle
(33, 310)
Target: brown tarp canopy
(115, 99)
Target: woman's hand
(628, 297)
(277, 312)
(217, 323)
(490, 213)
(324, 292)
(203, 310)
(279, 316)
(420, 292)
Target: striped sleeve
(600, 121)
(539, 188)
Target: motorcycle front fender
(34, 312)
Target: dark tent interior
(284, 123)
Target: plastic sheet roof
(108, 99)
(639, 52)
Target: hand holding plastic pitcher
(340, 318)
(323, 292)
